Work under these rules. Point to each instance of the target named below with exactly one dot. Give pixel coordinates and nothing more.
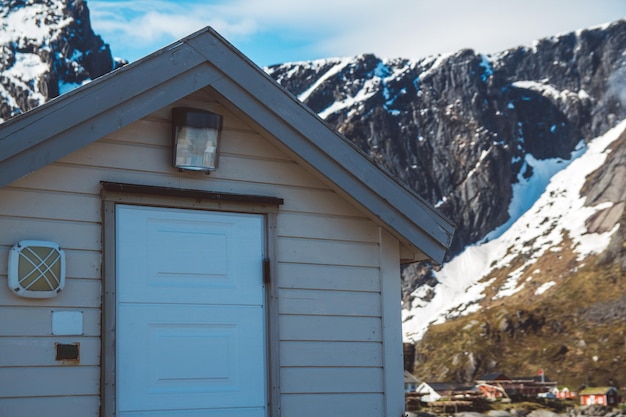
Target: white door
(190, 313)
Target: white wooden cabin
(270, 287)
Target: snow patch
(546, 90)
(544, 287)
(546, 208)
(337, 68)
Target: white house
(410, 382)
(270, 287)
(435, 391)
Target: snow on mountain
(47, 48)
(501, 144)
(21, 27)
(557, 212)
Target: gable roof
(597, 391)
(409, 378)
(206, 60)
(440, 387)
(493, 377)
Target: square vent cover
(36, 269)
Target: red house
(599, 395)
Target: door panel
(190, 313)
(189, 256)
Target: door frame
(151, 196)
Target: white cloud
(148, 21)
(328, 28)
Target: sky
(277, 31)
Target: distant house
(428, 391)
(491, 392)
(564, 393)
(530, 386)
(599, 395)
(410, 382)
(518, 387)
(140, 285)
(435, 391)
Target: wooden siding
(333, 405)
(330, 315)
(328, 271)
(62, 406)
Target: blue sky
(276, 31)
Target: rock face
(457, 127)
(608, 185)
(466, 131)
(47, 47)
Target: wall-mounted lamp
(196, 135)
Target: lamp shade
(196, 139)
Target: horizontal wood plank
(86, 179)
(280, 172)
(301, 200)
(334, 303)
(49, 381)
(327, 252)
(328, 354)
(149, 131)
(333, 405)
(77, 293)
(66, 406)
(158, 159)
(325, 227)
(41, 351)
(201, 99)
(330, 328)
(234, 140)
(27, 203)
(67, 234)
(328, 277)
(245, 143)
(326, 380)
(122, 155)
(29, 320)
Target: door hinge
(266, 271)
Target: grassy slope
(574, 331)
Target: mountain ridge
(445, 101)
(481, 138)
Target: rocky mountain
(524, 150)
(457, 127)
(47, 47)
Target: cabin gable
(334, 283)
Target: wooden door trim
(112, 197)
